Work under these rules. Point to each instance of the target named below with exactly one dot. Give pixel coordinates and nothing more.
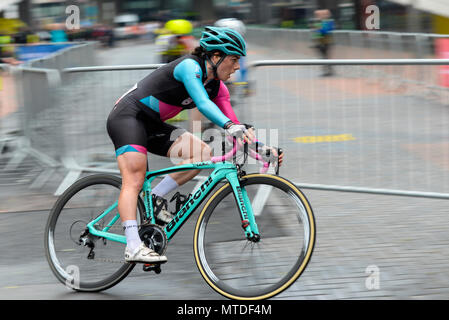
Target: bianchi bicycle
(253, 238)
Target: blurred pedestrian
(21, 36)
(239, 26)
(57, 32)
(7, 53)
(175, 40)
(322, 27)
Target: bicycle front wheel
(240, 269)
(78, 259)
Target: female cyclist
(136, 125)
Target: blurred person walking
(7, 50)
(175, 40)
(322, 27)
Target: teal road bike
(253, 238)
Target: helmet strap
(215, 66)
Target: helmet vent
(237, 42)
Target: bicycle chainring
(154, 237)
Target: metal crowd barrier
(357, 134)
(352, 44)
(88, 94)
(343, 133)
(7, 104)
(33, 123)
(349, 44)
(78, 55)
(38, 133)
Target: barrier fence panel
(29, 112)
(384, 134)
(41, 133)
(8, 105)
(87, 96)
(77, 55)
(348, 44)
(8, 102)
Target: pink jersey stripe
(139, 148)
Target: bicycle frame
(222, 170)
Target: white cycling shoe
(144, 254)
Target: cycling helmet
(232, 23)
(226, 40)
(179, 26)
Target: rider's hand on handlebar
(270, 154)
(239, 131)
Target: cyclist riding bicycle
(136, 125)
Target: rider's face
(228, 66)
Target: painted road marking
(327, 138)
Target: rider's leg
(165, 186)
(132, 166)
(190, 149)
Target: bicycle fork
(249, 224)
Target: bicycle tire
(219, 280)
(61, 271)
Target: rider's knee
(134, 182)
(133, 179)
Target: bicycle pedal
(156, 267)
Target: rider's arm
(189, 73)
(223, 101)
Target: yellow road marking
(328, 138)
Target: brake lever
(279, 150)
(245, 152)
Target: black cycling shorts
(133, 127)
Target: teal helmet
(226, 40)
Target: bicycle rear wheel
(72, 262)
(240, 269)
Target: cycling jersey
(139, 115)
